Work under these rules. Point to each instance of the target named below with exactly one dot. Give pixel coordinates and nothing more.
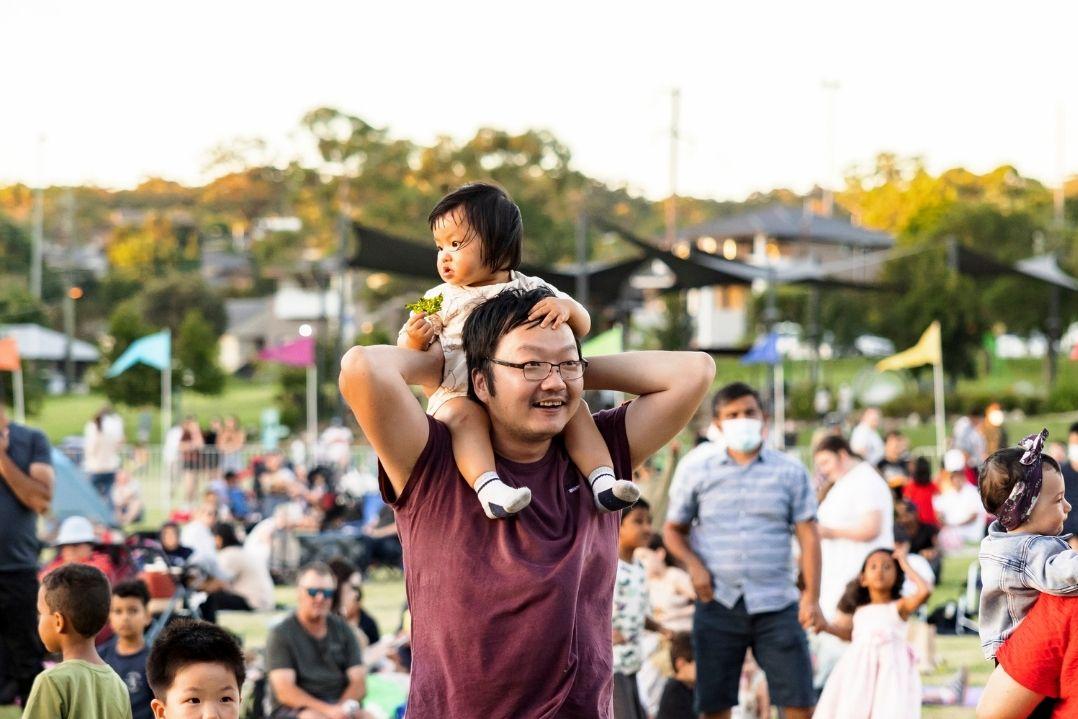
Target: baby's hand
(420, 331)
(553, 310)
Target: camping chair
(969, 602)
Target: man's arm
(676, 539)
(808, 536)
(669, 385)
(33, 489)
(374, 381)
(290, 695)
(357, 684)
(866, 528)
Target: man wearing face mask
(1070, 485)
(733, 508)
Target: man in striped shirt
(733, 508)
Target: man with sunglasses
(313, 658)
(512, 618)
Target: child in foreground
(126, 652)
(1023, 554)
(196, 671)
(877, 677)
(478, 232)
(677, 696)
(73, 606)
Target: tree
(196, 351)
(166, 302)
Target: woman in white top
(856, 515)
(102, 438)
(958, 505)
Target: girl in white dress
(478, 232)
(877, 677)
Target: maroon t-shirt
(510, 617)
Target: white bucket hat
(75, 530)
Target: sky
(121, 91)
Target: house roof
(40, 343)
(790, 223)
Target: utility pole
(37, 247)
(1061, 135)
(830, 88)
(671, 202)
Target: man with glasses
(313, 658)
(512, 618)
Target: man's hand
(553, 310)
(420, 331)
(701, 581)
(617, 637)
(810, 614)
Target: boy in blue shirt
(126, 652)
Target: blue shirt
(742, 519)
(132, 669)
(19, 545)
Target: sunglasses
(313, 592)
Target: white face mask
(1072, 453)
(714, 434)
(743, 435)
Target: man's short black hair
(191, 641)
(731, 392)
(227, 532)
(640, 504)
(894, 433)
(493, 216)
(133, 589)
(491, 321)
(80, 593)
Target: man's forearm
(677, 543)
(295, 698)
(356, 689)
(34, 494)
(808, 536)
(639, 373)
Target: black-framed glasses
(313, 592)
(536, 371)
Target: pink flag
(297, 353)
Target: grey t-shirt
(19, 545)
(321, 665)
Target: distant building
(47, 349)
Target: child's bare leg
(590, 455)
(469, 427)
(434, 362)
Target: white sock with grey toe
(498, 498)
(612, 494)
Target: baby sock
(498, 498)
(612, 494)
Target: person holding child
(73, 606)
(479, 233)
(880, 666)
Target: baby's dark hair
(493, 217)
(81, 594)
(857, 596)
(134, 589)
(190, 641)
(1000, 472)
(640, 504)
(680, 648)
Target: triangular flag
(9, 355)
(154, 350)
(928, 350)
(764, 351)
(297, 353)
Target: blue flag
(764, 351)
(154, 350)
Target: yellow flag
(928, 350)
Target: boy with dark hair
(478, 232)
(197, 664)
(73, 606)
(676, 700)
(631, 611)
(126, 652)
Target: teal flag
(154, 350)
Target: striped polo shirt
(741, 519)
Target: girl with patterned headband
(1023, 554)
